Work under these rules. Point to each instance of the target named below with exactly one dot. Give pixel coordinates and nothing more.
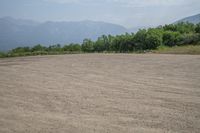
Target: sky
(129, 13)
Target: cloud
(129, 3)
(125, 12)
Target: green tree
(186, 39)
(139, 39)
(197, 28)
(38, 47)
(183, 27)
(74, 47)
(170, 38)
(116, 43)
(170, 27)
(153, 39)
(87, 46)
(110, 40)
(100, 45)
(21, 50)
(2, 54)
(54, 48)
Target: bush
(188, 39)
(197, 29)
(2, 55)
(38, 47)
(87, 46)
(139, 39)
(170, 38)
(153, 39)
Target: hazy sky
(129, 13)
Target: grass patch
(187, 49)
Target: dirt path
(97, 93)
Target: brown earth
(100, 93)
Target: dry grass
(188, 49)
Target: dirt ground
(100, 93)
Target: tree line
(145, 39)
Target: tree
(139, 39)
(21, 50)
(197, 29)
(87, 46)
(185, 27)
(66, 48)
(170, 38)
(128, 42)
(100, 45)
(74, 47)
(186, 39)
(110, 40)
(124, 43)
(182, 27)
(38, 47)
(54, 48)
(2, 54)
(103, 43)
(170, 27)
(153, 39)
(116, 43)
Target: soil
(100, 93)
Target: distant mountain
(192, 19)
(20, 32)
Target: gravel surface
(100, 93)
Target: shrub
(153, 39)
(170, 38)
(185, 39)
(87, 46)
(2, 55)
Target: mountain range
(22, 32)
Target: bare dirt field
(100, 93)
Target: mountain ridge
(24, 32)
(191, 19)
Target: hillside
(191, 19)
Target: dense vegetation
(144, 40)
